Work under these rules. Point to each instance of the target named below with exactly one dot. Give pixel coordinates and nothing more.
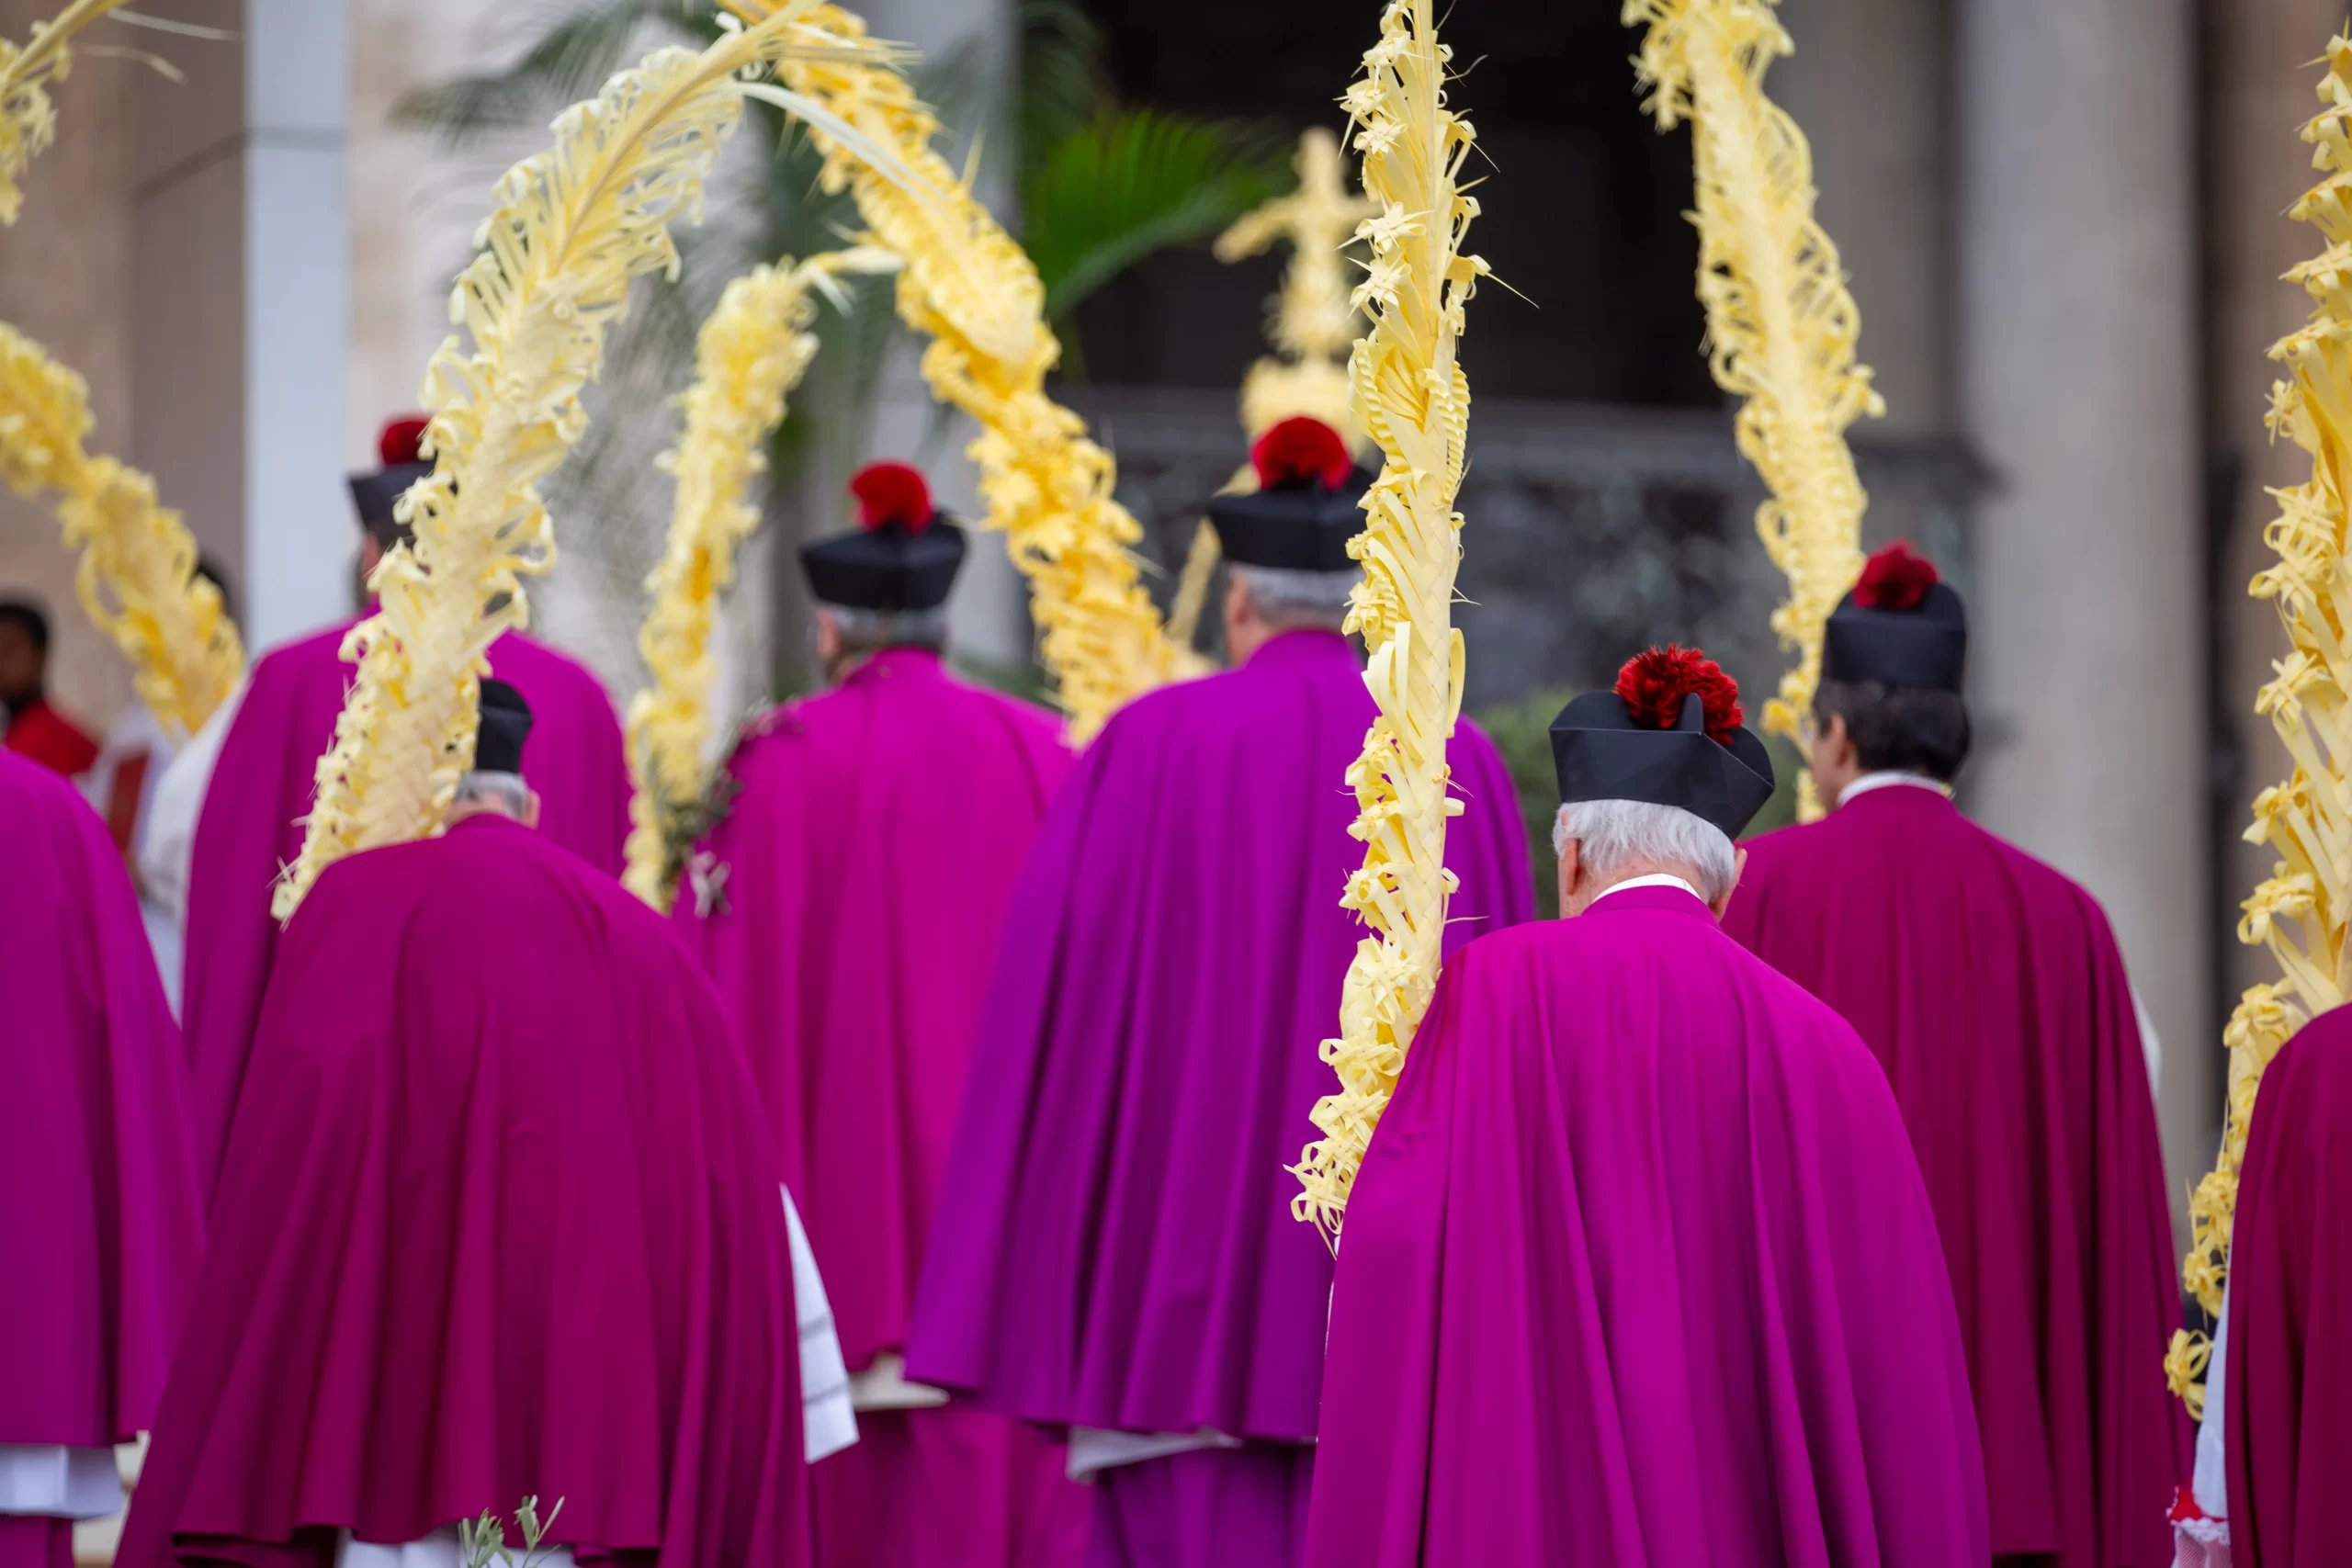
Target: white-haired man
(815, 906)
(1114, 1252)
(1640, 1268)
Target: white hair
(1284, 597)
(496, 791)
(1619, 839)
(871, 631)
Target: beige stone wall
(65, 277)
(413, 205)
(184, 305)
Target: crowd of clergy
(914, 1195)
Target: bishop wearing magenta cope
(1991, 989)
(1639, 1268)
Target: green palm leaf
(1065, 86)
(1133, 181)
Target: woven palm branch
(750, 354)
(1781, 329)
(966, 286)
(1412, 398)
(28, 118)
(137, 575)
(574, 226)
(2300, 912)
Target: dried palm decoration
(2301, 912)
(137, 576)
(574, 226)
(1412, 398)
(1781, 329)
(969, 288)
(1313, 327)
(28, 118)
(749, 355)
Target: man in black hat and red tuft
(1115, 1252)
(230, 812)
(498, 1219)
(1991, 988)
(1639, 1268)
(855, 983)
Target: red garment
(2288, 1415)
(42, 732)
(1991, 989)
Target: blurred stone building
(2064, 227)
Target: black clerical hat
(1669, 734)
(1308, 505)
(1901, 626)
(903, 555)
(372, 495)
(505, 725)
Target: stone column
(1868, 86)
(237, 301)
(297, 533)
(2076, 342)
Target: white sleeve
(2213, 1479)
(2152, 1048)
(827, 1424)
(170, 839)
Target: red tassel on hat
(1655, 682)
(1894, 578)
(402, 441)
(892, 492)
(1301, 448)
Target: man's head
(210, 570)
(374, 494)
(885, 583)
(1655, 778)
(494, 785)
(1893, 660)
(846, 636)
(1862, 726)
(1286, 541)
(24, 652)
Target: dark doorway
(1583, 199)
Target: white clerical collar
(1661, 880)
(1890, 778)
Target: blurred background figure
(122, 784)
(38, 729)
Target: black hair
(210, 569)
(1913, 728)
(27, 614)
